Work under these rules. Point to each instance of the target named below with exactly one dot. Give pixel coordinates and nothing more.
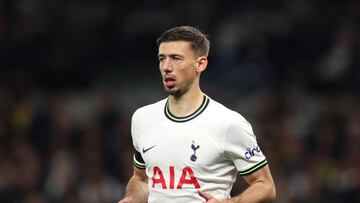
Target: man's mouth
(169, 81)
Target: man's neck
(185, 104)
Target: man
(188, 147)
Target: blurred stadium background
(72, 73)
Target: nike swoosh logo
(145, 150)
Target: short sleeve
(138, 161)
(134, 131)
(241, 147)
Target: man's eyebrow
(170, 55)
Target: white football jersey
(203, 151)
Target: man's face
(177, 63)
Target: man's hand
(126, 200)
(209, 198)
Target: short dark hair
(198, 40)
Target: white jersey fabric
(203, 151)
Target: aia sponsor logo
(187, 178)
(252, 152)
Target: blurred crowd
(72, 73)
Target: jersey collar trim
(182, 119)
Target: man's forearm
(257, 192)
(137, 190)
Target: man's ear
(201, 63)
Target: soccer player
(188, 147)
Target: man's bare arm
(261, 189)
(136, 189)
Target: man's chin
(172, 91)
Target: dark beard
(175, 93)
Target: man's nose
(167, 65)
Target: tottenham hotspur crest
(194, 147)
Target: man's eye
(177, 59)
